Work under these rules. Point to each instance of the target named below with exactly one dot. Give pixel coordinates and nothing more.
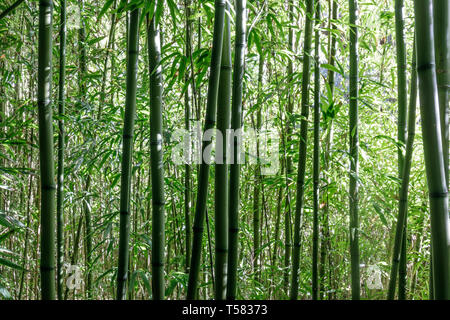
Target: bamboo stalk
(187, 126)
(302, 150)
(288, 146)
(200, 209)
(402, 114)
(354, 144)
(128, 132)
(61, 137)
(236, 124)
(432, 142)
(441, 10)
(156, 158)
(10, 8)
(257, 179)
(46, 160)
(221, 167)
(316, 156)
(403, 201)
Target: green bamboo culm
(434, 160)
(221, 167)
(403, 201)
(10, 8)
(82, 95)
(289, 145)
(316, 158)
(61, 137)
(401, 123)
(333, 11)
(156, 158)
(210, 117)
(128, 131)
(46, 161)
(257, 178)
(187, 126)
(302, 150)
(441, 9)
(441, 17)
(354, 143)
(401, 79)
(236, 125)
(325, 243)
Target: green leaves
(395, 142)
(10, 222)
(105, 8)
(10, 264)
(332, 68)
(176, 278)
(379, 210)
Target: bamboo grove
(224, 149)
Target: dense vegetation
(113, 185)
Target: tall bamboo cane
(236, 116)
(10, 8)
(187, 126)
(316, 158)
(403, 201)
(432, 142)
(257, 212)
(46, 161)
(210, 117)
(441, 17)
(156, 158)
(401, 125)
(354, 143)
(441, 9)
(302, 150)
(128, 131)
(289, 169)
(325, 244)
(221, 169)
(61, 137)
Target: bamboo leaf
(10, 264)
